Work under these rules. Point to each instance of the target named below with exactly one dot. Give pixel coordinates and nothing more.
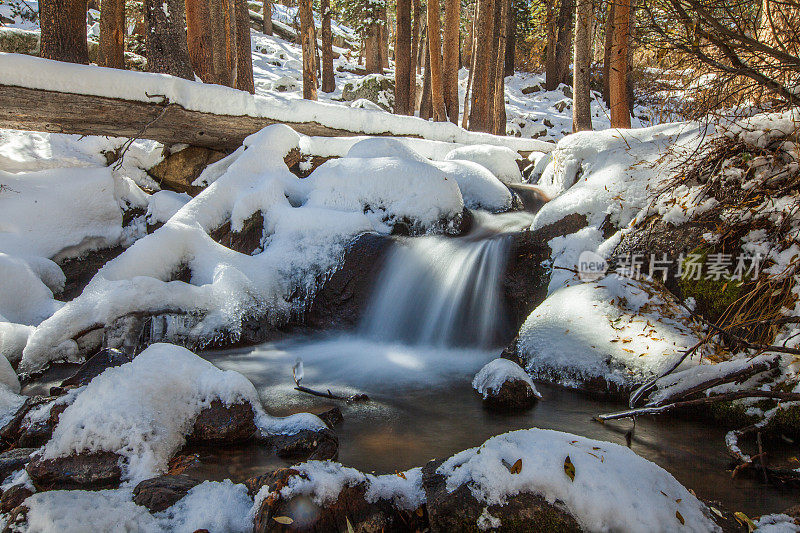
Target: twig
(127, 144)
(760, 456)
(332, 396)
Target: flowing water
(435, 319)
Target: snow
(615, 328)
(776, 523)
(480, 189)
(613, 490)
(164, 204)
(500, 161)
(497, 372)
(142, 410)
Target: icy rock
(307, 444)
(219, 423)
(160, 493)
(505, 386)
(376, 88)
(13, 497)
(34, 432)
(93, 470)
(94, 366)
(332, 417)
(13, 460)
(500, 161)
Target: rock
(162, 492)
(11, 431)
(376, 88)
(350, 506)
(87, 470)
(218, 423)
(178, 171)
(96, 365)
(18, 41)
(13, 498)
(306, 445)
(531, 89)
(286, 84)
(332, 417)
(78, 271)
(244, 241)
(13, 460)
(505, 386)
(37, 433)
(561, 105)
(460, 511)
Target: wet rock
(350, 506)
(218, 423)
(244, 241)
(80, 270)
(13, 460)
(96, 365)
(505, 386)
(36, 434)
(95, 470)
(178, 171)
(332, 417)
(376, 88)
(9, 434)
(512, 396)
(13, 498)
(459, 510)
(306, 444)
(162, 492)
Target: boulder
(36, 433)
(94, 366)
(13, 498)
(13, 460)
(218, 423)
(505, 386)
(459, 510)
(87, 470)
(332, 417)
(18, 41)
(531, 89)
(178, 171)
(306, 445)
(159, 493)
(376, 88)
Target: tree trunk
(328, 79)
(581, 96)
(199, 37)
(499, 105)
(372, 50)
(551, 74)
(608, 42)
(244, 55)
(465, 116)
(564, 42)
(480, 118)
(112, 34)
(266, 12)
(511, 40)
(618, 76)
(452, 24)
(435, 53)
(384, 29)
(63, 30)
(425, 110)
(219, 23)
(403, 69)
(416, 37)
(466, 54)
(307, 39)
(165, 40)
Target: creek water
(434, 320)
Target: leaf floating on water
(569, 469)
(716, 511)
(516, 468)
(744, 519)
(285, 520)
(679, 516)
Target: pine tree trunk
(435, 53)
(416, 37)
(564, 43)
(112, 34)
(467, 93)
(165, 38)
(551, 74)
(384, 28)
(63, 30)
(425, 110)
(581, 69)
(372, 50)
(244, 55)
(511, 40)
(307, 39)
(618, 75)
(499, 105)
(466, 54)
(218, 30)
(480, 118)
(328, 79)
(608, 42)
(266, 12)
(403, 69)
(452, 24)
(198, 34)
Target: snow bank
(613, 488)
(142, 410)
(616, 329)
(499, 160)
(307, 225)
(38, 73)
(479, 187)
(492, 376)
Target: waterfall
(441, 292)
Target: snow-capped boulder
(505, 386)
(88, 470)
(162, 492)
(304, 445)
(376, 88)
(499, 160)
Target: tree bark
(511, 40)
(564, 42)
(480, 118)
(244, 55)
(165, 40)
(372, 49)
(384, 32)
(465, 116)
(266, 12)
(468, 46)
(112, 34)
(608, 43)
(425, 110)
(63, 30)
(581, 69)
(416, 37)
(199, 40)
(403, 68)
(452, 24)
(435, 53)
(499, 105)
(307, 39)
(618, 76)
(328, 79)
(551, 74)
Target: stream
(435, 318)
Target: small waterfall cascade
(441, 291)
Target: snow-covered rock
(500, 161)
(504, 385)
